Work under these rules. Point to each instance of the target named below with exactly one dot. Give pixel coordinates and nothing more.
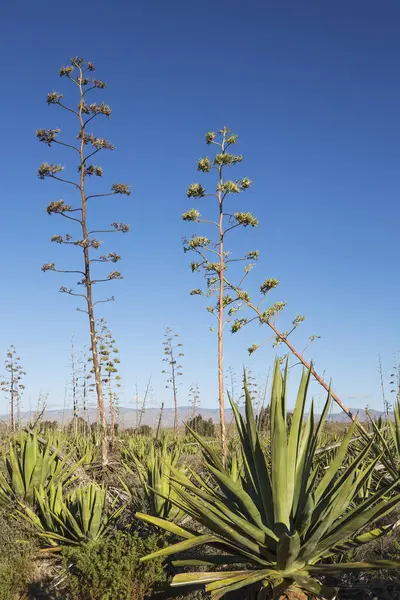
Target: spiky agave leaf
(281, 518)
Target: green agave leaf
(182, 546)
(355, 566)
(279, 454)
(236, 583)
(202, 577)
(311, 585)
(251, 477)
(97, 511)
(303, 519)
(55, 537)
(86, 512)
(303, 467)
(359, 540)
(166, 525)
(243, 500)
(233, 577)
(29, 458)
(207, 560)
(335, 464)
(320, 424)
(14, 470)
(287, 550)
(257, 463)
(296, 429)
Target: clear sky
(313, 90)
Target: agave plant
(29, 465)
(137, 447)
(274, 528)
(388, 441)
(78, 518)
(85, 449)
(154, 472)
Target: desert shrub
(145, 430)
(205, 428)
(17, 552)
(110, 569)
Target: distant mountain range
(151, 416)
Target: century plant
(276, 527)
(388, 442)
(213, 260)
(172, 356)
(85, 147)
(212, 257)
(12, 383)
(80, 517)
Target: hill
(128, 415)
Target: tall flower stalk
(11, 383)
(194, 399)
(79, 73)
(213, 259)
(172, 355)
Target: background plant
(12, 383)
(194, 399)
(172, 356)
(204, 427)
(141, 403)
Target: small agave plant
(80, 517)
(154, 472)
(273, 530)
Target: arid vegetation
(269, 504)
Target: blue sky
(313, 90)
